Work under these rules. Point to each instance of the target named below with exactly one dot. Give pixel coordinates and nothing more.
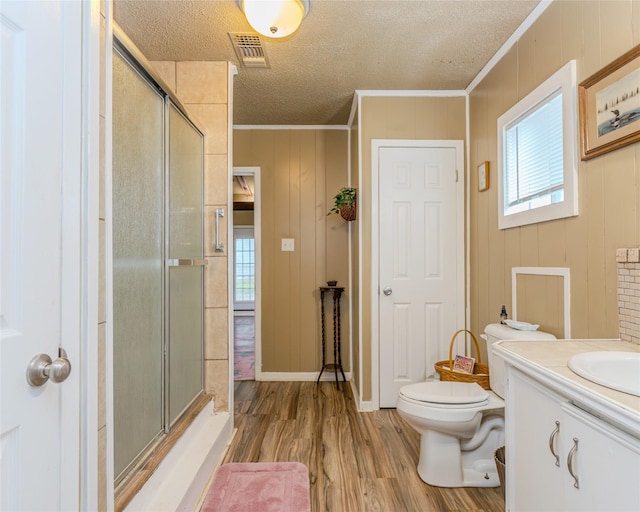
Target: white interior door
(420, 262)
(40, 251)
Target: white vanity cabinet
(561, 458)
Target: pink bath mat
(259, 486)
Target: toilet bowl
(460, 423)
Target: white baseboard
(180, 479)
(366, 406)
(362, 405)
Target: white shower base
(180, 480)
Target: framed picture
(609, 104)
(464, 364)
(483, 176)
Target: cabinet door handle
(552, 442)
(574, 449)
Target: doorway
(246, 273)
(419, 265)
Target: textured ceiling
(342, 45)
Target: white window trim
(563, 272)
(564, 79)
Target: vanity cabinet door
(602, 465)
(534, 464)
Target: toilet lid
(445, 392)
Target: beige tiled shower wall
(202, 87)
(629, 293)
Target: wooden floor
(357, 461)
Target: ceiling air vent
(249, 49)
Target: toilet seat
(457, 395)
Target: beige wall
(202, 87)
(300, 172)
(541, 297)
(243, 218)
(594, 33)
(425, 118)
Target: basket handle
(453, 339)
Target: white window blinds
(534, 154)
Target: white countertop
(546, 361)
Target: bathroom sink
(615, 370)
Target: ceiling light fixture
(275, 18)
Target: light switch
(288, 244)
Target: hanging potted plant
(344, 203)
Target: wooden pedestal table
(336, 365)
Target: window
(537, 177)
(245, 269)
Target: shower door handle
(219, 245)
(186, 263)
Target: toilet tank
(498, 332)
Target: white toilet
(461, 424)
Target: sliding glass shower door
(186, 264)
(158, 262)
(138, 234)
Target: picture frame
(609, 106)
(463, 364)
(483, 176)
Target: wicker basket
(480, 373)
(348, 213)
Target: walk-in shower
(158, 260)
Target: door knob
(41, 369)
(387, 291)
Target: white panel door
(419, 257)
(40, 251)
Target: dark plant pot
(347, 213)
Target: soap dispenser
(503, 314)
